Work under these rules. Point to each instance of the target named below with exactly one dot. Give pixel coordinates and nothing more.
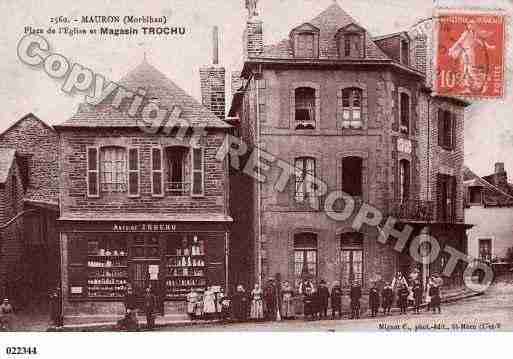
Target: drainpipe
(259, 185)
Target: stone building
(142, 205)
(355, 111)
(29, 247)
(489, 206)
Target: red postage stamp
(470, 54)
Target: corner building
(354, 111)
(140, 205)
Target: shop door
(144, 274)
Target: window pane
(133, 159)
(352, 175)
(133, 183)
(93, 183)
(92, 158)
(157, 159)
(157, 183)
(198, 159)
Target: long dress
(209, 302)
(257, 305)
(287, 307)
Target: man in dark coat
(355, 295)
(130, 320)
(323, 295)
(403, 298)
(307, 290)
(270, 300)
(434, 293)
(336, 300)
(387, 297)
(417, 296)
(56, 307)
(150, 306)
(240, 304)
(374, 300)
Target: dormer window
(351, 42)
(405, 52)
(305, 41)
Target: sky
(488, 124)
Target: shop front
(102, 259)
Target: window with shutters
(305, 255)
(198, 172)
(404, 180)
(93, 177)
(304, 178)
(157, 177)
(446, 187)
(133, 172)
(350, 116)
(351, 246)
(405, 112)
(352, 176)
(305, 108)
(113, 169)
(305, 45)
(177, 170)
(446, 130)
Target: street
(492, 311)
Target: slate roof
(158, 88)
(7, 156)
(329, 23)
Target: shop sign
(145, 227)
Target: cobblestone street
(491, 311)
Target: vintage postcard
(255, 165)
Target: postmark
(469, 56)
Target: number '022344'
(12, 350)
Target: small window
(113, 169)
(351, 245)
(305, 45)
(404, 180)
(305, 255)
(305, 108)
(351, 113)
(405, 113)
(305, 174)
(352, 176)
(405, 52)
(446, 130)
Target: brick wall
(74, 180)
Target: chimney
(212, 79)
(253, 39)
(499, 167)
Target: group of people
(276, 301)
(211, 304)
(130, 322)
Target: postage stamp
(470, 53)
